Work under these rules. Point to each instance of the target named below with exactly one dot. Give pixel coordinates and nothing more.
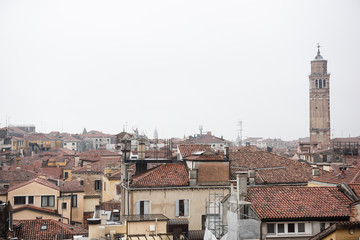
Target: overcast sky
(175, 65)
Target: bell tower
(319, 102)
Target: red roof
(295, 202)
(37, 209)
(271, 168)
(17, 175)
(351, 175)
(37, 180)
(187, 149)
(71, 186)
(98, 167)
(166, 175)
(32, 229)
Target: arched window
(316, 83)
(320, 83)
(324, 83)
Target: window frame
(143, 207)
(182, 208)
(48, 197)
(18, 197)
(63, 205)
(97, 185)
(74, 201)
(296, 232)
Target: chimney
(141, 149)
(88, 167)
(193, 176)
(315, 172)
(252, 176)
(103, 218)
(17, 161)
(227, 153)
(241, 185)
(129, 175)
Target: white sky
(173, 65)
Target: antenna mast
(240, 123)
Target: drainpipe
(71, 207)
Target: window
(43, 227)
(74, 201)
(64, 143)
(30, 199)
(291, 227)
(19, 200)
(271, 229)
(66, 175)
(6, 186)
(324, 83)
(143, 207)
(47, 201)
(301, 227)
(324, 225)
(320, 83)
(97, 185)
(182, 208)
(64, 205)
(73, 144)
(316, 83)
(283, 229)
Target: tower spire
(318, 56)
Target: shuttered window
(182, 208)
(143, 207)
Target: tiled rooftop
(37, 180)
(351, 175)
(271, 168)
(98, 167)
(187, 149)
(166, 175)
(31, 229)
(37, 209)
(295, 202)
(71, 186)
(16, 175)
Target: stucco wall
(163, 201)
(33, 189)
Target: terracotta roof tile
(294, 202)
(271, 168)
(31, 229)
(54, 172)
(351, 175)
(187, 149)
(37, 209)
(99, 166)
(71, 186)
(44, 182)
(16, 175)
(166, 175)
